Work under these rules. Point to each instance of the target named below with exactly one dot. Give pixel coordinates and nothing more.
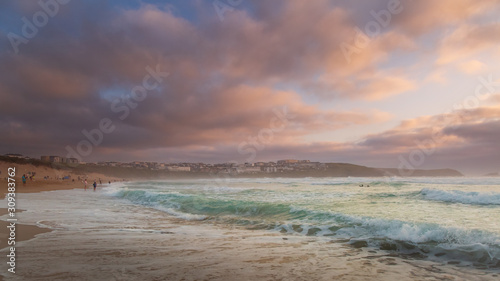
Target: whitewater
(442, 219)
(267, 229)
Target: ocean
(443, 219)
(440, 226)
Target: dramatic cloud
(337, 71)
(471, 133)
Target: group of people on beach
(31, 176)
(94, 184)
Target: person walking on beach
(24, 179)
(85, 184)
(95, 184)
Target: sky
(384, 83)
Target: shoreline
(25, 232)
(39, 185)
(42, 185)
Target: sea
(450, 224)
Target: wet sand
(181, 252)
(26, 232)
(23, 232)
(42, 185)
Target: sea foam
(457, 196)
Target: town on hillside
(287, 165)
(280, 168)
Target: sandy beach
(46, 179)
(26, 232)
(29, 231)
(23, 232)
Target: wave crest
(457, 196)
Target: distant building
(287, 161)
(53, 159)
(179, 169)
(250, 170)
(285, 168)
(270, 169)
(59, 159)
(45, 158)
(71, 160)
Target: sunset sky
(378, 83)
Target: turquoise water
(442, 219)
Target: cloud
(67, 89)
(484, 133)
(468, 40)
(472, 67)
(472, 134)
(421, 17)
(227, 78)
(388, 86)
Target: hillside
(55, 170)
(423, 173)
